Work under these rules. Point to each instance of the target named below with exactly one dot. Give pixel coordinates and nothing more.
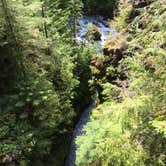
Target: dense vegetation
(47, 79)
(129, 126)
(41, 68)
(100, 7)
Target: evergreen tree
(75, 7)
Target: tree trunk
(44, 25)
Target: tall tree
(75, 7)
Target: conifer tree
(76, 7)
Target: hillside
(128, 127)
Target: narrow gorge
(82, 83)
(103, 28)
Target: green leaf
(45, 98)
(36, 102)
(20, 104)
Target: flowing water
(104, 29)
(78, 131)
(100, 22)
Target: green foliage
(124, 12)
(128, 128)
(38, 86)
(110, 142)
(83, 73)
(75, 7)
(110, 91)
(100, 7)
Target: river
(104, 29)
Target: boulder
(93, 33)
(96, 32)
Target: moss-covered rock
(93, 33)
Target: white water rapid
(100, 22)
